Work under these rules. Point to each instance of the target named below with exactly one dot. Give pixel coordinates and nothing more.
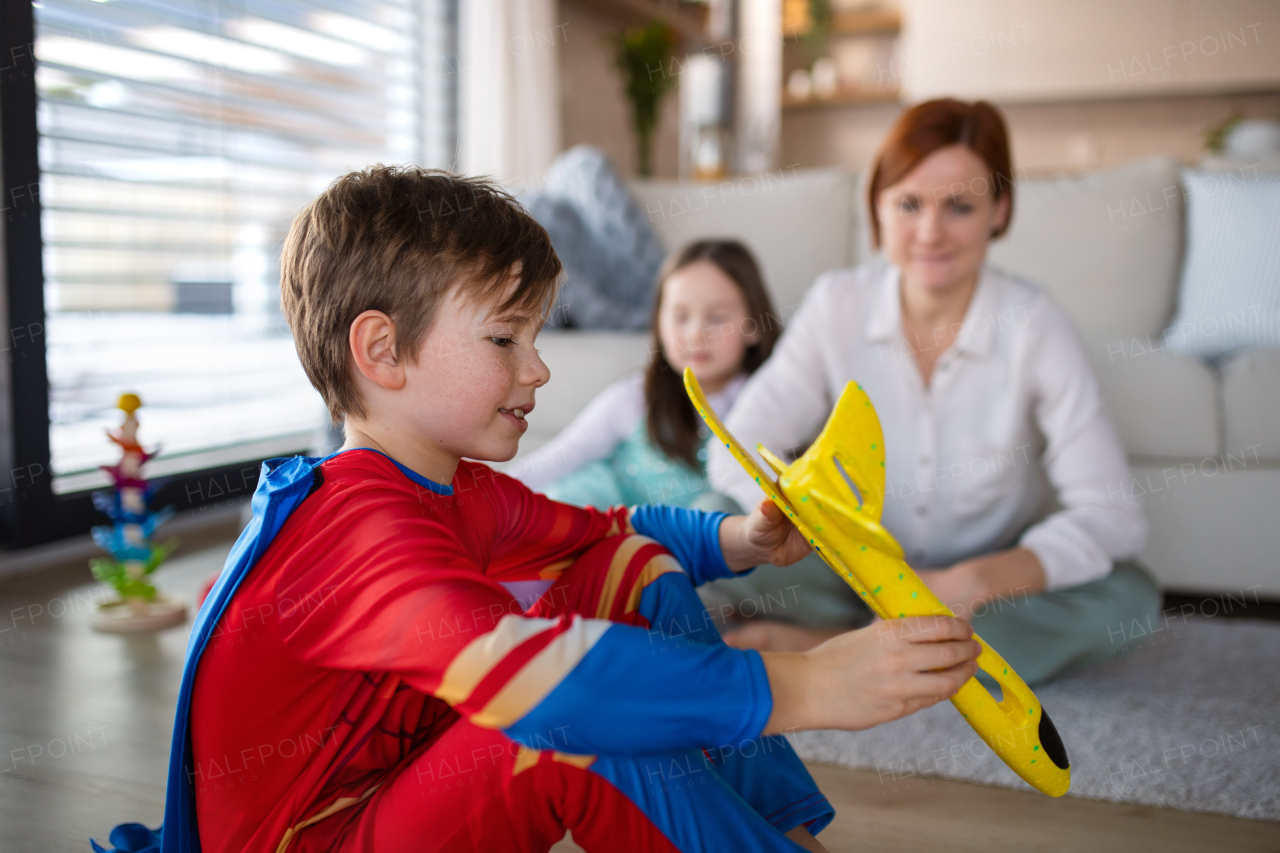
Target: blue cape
(282, 485)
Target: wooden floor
(84, 740)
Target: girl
(640, 441)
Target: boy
(410, 651)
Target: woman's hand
(956, 587)
(764, 536)
(870, 676)
(1015, 573)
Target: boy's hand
(871, 676)
(764, 536)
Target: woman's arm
(1099, 521)
(785, 402)
(606, 421)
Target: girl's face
(936, 222)
(703, 324)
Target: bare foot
(802, 836)
(766, 635)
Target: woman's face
(936, 222)
(703, 324)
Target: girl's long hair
(672, 421)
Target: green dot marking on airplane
(913, 594)
(901, 576)
(877, 589)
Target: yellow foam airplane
(834, 495)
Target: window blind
(177, 140)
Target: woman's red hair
(924, 129)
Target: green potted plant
(643, 56)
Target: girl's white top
(608, 420)
(1010, 444)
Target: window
(176, 140)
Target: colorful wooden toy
(128, 539)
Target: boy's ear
(372, 342)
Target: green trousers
(1041, 635)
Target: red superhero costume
(476, 667)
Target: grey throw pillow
(605, 241)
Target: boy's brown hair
(397, 239)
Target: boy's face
(474, 381)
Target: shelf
(689, 20)
(842, 98)
(859, 22)
(867, 21)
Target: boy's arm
(397, 594)
(708, 545)
(714, 545)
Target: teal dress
(636, 472)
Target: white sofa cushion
(1108, 244)
(1163, 404)
(798, 222)
(1251, 405)
(1229, 297)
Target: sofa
(1203, 438)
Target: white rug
(1188, 719)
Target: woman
(1005, 480)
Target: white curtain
(509, 88)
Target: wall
(1083, 84)
(1080, 98)
(1032, 50)
(1046, 137)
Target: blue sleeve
(692, 536)
(639, 691)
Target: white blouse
(1010, 444)
(607, 421)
